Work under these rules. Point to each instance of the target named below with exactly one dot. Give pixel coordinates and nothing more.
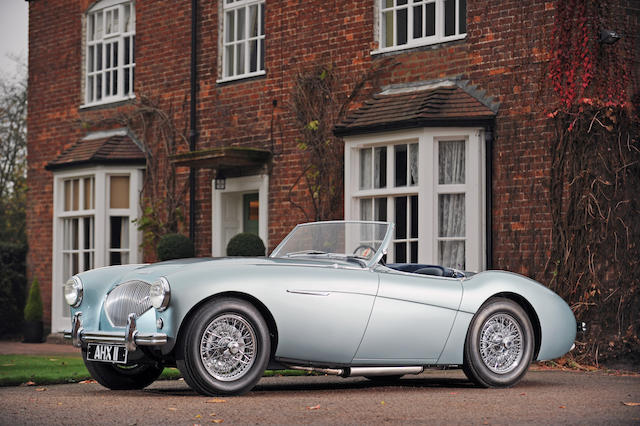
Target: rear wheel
(225, 348)
(122, 377)
(499, 345)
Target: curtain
(413, 163)
(365, 168)
(451, 162)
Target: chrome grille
(128, 297)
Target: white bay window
(93, 212)
(429, 183)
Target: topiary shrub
(33, 308)
(174, 246)
(245, 244)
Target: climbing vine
(595, 173)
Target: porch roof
(229, 160)
(444, 103)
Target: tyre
(499, 345)
(122, 377)
(224, 348)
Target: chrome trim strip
(131, 339)
(310, 292)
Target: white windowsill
(415, 44)
(108, 101)
(241, 77)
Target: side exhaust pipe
(362, 371)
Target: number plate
(107, 353)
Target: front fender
(557, 322)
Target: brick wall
(505, 54)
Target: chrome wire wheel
(228, 347)
(501, 343)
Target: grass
(46, 370)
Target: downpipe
(361, 371)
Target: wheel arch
(531, 313)
(264, 311)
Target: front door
(250, 213)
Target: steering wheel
(365, 251)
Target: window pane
(126, 81)
(417, 21)
(74, 234)
(401, 217)
(380, 165)
(401, 22)
(451, 254)
(133, 50)
(119, 192)
(91, 58)
(91, 27)
(462, 16)
(262, 19)
(99, 23)
(107, 80)
(230, 24)
(116, 26)
(451, 162)
(76, 195)
(400, 250)
(414, 216)
(413, 164)
(365, 209)
(380, 209)
(240, 22)
(99, 86)
(365, 168)
(115, 55)
(99, 57)
(449, 17)
(240, 58)
(261, 54)
(253, 21)
(451, 215)
(90, 88)
(387, 28)
(431, 19)
(107, 49)
(127, 18)
(401, 165)
(67, 195)
(88, 193)
(253, 55)
(414, 251)
(229, 52)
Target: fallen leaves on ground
(172, 408)
(632, 404)
(41, 389)
(315, 407)
(216, 401)
(563, 406)
(29, 383)
(84, 382)
(217, 421)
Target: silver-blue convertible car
(323, 301)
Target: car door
(323, 311)
(411, 319)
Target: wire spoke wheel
(228, 347)
(501, 343)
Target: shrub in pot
(174, 246)
(33, 332)
(245, 244)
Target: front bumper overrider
(131, 338)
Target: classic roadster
(323, 301)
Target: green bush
(245, 244)
(33, 308)
(174, 246)
(13, 285)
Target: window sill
(431, 44)
(241, 77)
(108, 103)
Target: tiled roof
(445, 105)
(115, 149)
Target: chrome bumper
(131, 338)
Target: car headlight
(73, 291)
(160, 294)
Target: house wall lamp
(608, 36)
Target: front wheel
(499, 345)
(225, 348)
(122, 377)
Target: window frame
(435, 39)
(225, 7)
(100, 214)
(428, 188)
(118, 38)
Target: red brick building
(448, 142)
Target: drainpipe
(193, 132)
(488, 141)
